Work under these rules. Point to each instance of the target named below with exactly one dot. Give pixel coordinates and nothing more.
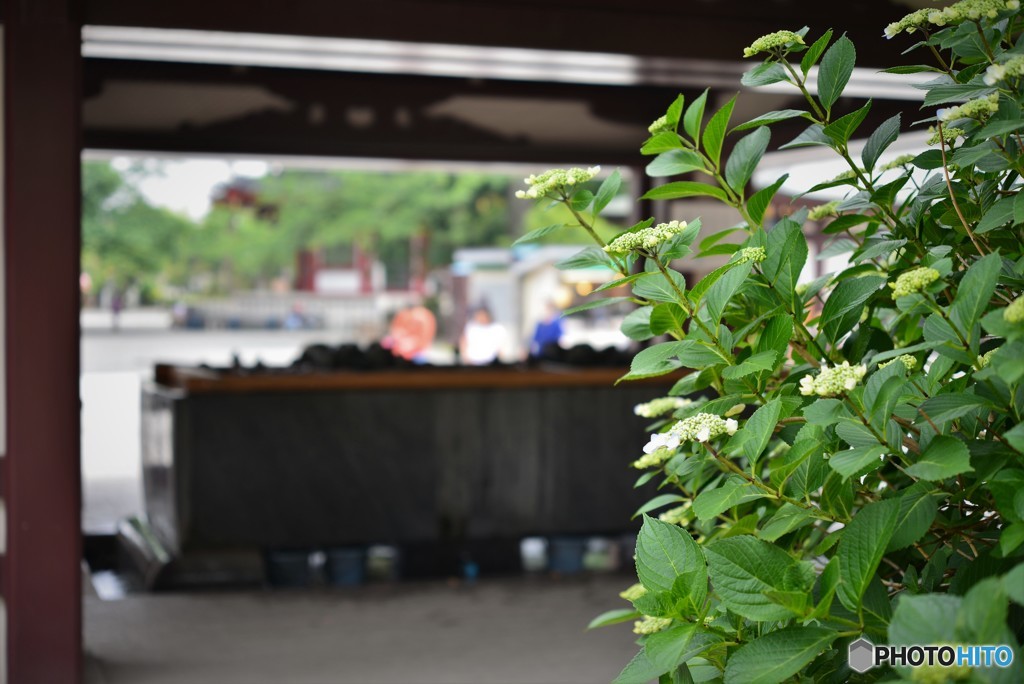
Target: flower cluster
(832, 381)
(913, 281)
(910, 23)
(554, 179)
(755, 254)
(646, 238)
(906, 359)
(660, 406)
(849, 174)
(896, 163)
(637, 591)
(970, 10)
(660, 125)
(824, 210)
(702, 427)
(1011, 68)
(949, 135)
(986, 358)
(650, 625)
(1015, 312)
(773, 40)
(675, 516)
(979, 108)
(954, 14)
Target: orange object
(412, 331)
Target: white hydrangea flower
(661, 440)
(773, 40)
(660, 406)
(555, 179)
(832, 381)
(651, 625)
(978, 108)
(755, 254)
(913, 281)
(647, 238)
(1015, 312)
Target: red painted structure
(41, 578)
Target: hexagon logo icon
(861, 655)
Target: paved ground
(508, 631)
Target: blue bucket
(289, 569)
(346, 567)
(565, 555)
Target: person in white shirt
(482, 339)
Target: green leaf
(840, 130)
(758, 203)
(924, 619)
(745, 157)
(694, 117)
(944, 457)
(662, 142)
(618, 282)
(770, 118)
(775, 336)
(777, 656)
(607, 192)
(581, 199)
(764, 74)
(787, 253)
(667, 559)
(669, 648)
(668, 356)
(675, 111)
(814, 52)
(714, 134)
(595, 304)
(723, 289)
(785, 520)
(857, 462)
(655, 287)
(879, 141)
(735, 490)
(946, 407)
(658, 502)
(844, 306)
(758, 362)
(1013, 584)
(917, 511)
(997, 215)
(983, 611)
(742, 569)
(538, 234)
(825, 412)
(614, 617)
(637, 324)
(640, 670)
(974, 291)
(813, 135)
(681, 189)
(757, 432)
(1018, 208)
(591, 257)
(674, 162)
(666, 317)
(861, 549)
(834, 73)
(956, 93)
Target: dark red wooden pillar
(42, 580)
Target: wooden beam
(42, 576)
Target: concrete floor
(507, 631)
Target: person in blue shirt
(549, 330)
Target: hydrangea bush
(850, 462)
